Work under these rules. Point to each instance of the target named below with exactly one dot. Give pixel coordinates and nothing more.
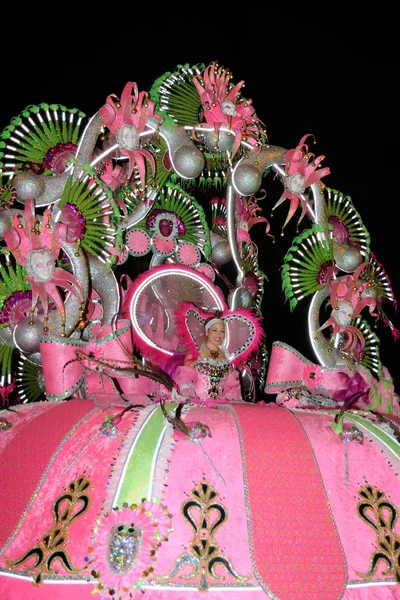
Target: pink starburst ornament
(127, 118)
(222, 108)
(347, 301)
(301, 172)
(36, 245)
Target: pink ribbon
(289, 369)
(68, 363)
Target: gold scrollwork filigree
(70, 505)
(381, 514)
(205, 514)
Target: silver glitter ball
(188, 161)
(28, 185)
(27, 337)
(221, 253)
(347, 258)
(370, 292)
(247, 179)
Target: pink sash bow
(68, 363)
(290, 369)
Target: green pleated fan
(174, 199)
(305, 265)
(341, 213)
(37, 135)
(93, 203)
(370, 354)
(29, 383)
(176, 96)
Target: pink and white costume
(209, 381)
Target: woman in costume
(217, 344)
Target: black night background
(332, 77)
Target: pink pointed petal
(303, 210)
(285, 194)
(61, 277)
(294, 203)
(317, 176)
(302, 141)
(141, 165)
(329, 322)
(55, 295)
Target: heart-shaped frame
(243, 331)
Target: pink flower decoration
(127, 118)
(36, 246)
(302, 171)
(222, 106)
(312, 375)
(347, 302)
(114, 177)
(123, 546)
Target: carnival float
(153, 439)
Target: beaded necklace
(214, 353)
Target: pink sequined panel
(297, 550)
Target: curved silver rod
(248, 172)
(87, 144)
(105, 284)
(139, 213)
(6, 336)
(231, 231)
(187, 161)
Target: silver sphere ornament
(188, 162)
(370, 292)
(247, 179)
(27, 336)
(347, 258)
(28, 185)
(221, 253)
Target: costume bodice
(211, 377)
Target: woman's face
(216, 334)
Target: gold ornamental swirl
(70, 505)
(205, 514)
(381, 514)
